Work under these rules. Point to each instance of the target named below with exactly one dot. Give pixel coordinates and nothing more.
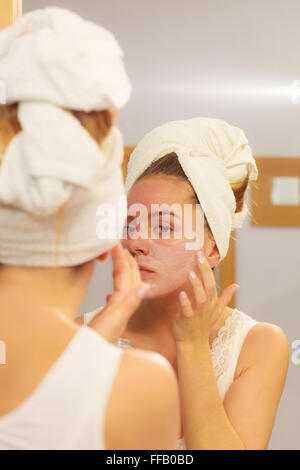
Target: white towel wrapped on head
(53, 175)
(53, 55)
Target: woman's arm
(245, 419)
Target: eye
(165, 228)
(128, 229)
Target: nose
(137, 247)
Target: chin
(156, 292)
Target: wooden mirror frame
(10, 10)
(263, 212)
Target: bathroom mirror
(285, 191)
(275, 196)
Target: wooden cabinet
(10, 10)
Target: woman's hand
(129, 289)
(200, 313)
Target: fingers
(115, 298)
(112, 320)
(198, 290)
(227, 295)
(206, 275)
(121, 268)
(185, 303)
(135, 272)
(126, 275)
(130, 266)
(132, 300)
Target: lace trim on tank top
(220, 349)
(220, 345)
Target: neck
(155, 315)
(40, 293)
(154, 319)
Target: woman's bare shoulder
(267, 338)
(143, 402)
(265, 342)
(148, 366)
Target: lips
(145, 268)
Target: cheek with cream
(170, 259)
(172, 265)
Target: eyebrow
(130, 217)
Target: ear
(213, 256)
(103, 256)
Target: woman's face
(168, 258)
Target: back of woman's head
(97, 123)
(60, 152)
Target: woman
(65, 386)
(231, 369)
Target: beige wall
(232, 60)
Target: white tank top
(225, 351)
(67, 409)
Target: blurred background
(237, 61)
